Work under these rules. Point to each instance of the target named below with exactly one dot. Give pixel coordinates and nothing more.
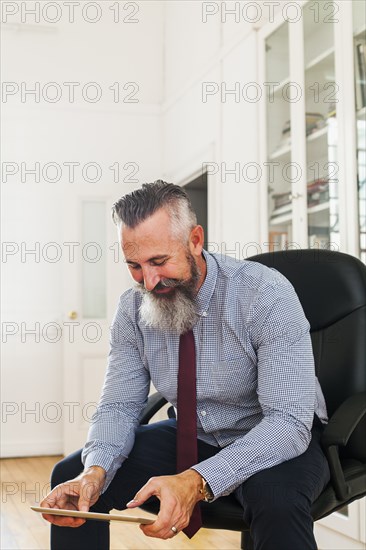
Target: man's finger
(64, 521)
(166, 533)
(83, 503)
(169, 516)
(87, 493)
(147, 491)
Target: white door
(94, 276)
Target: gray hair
(133, 208)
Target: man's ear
(196, 240)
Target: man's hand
(178, 495)
(77, 494)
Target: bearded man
(259, 410)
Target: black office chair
(332, 290)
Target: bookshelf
(313, 190)
(312, 53)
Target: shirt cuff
(218, 474)
(99, 458)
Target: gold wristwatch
(206, 491)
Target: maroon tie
(187, 422)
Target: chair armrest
(337, 432)
(154, 403)
(345, 419)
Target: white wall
(165, 58)
(103, 132)
(209, 50)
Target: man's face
(167, 271)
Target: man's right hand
(77, 494)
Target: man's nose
(151, 278)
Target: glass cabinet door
(321, 125)
(359, 50)
(278, 138)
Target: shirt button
(203, 413)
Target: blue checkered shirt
(256, 386)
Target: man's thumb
(83, 505)
(84, 501)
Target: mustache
(164, 283)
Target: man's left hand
(178, 495)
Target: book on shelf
(318, 191)
(332, 112)
(314, 122)
(318, 198)
(280, 199)
(282, 203)
(286, 130)
(285, 140)
(318, 184)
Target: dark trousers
(276, 501)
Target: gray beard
(175, 313)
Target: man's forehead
(154, 250)
(146, 241)
(135, 253)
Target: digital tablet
(91, 515)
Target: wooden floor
(24, 482)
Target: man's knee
(279, 517)
(274, 501)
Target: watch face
(208, 494)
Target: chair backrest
(331, 287)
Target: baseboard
(15, 449)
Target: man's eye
(132, 266)
(160, 263)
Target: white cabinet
(343, 530)
(312, 120)
(312, 68)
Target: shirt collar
(205, 293)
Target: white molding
(37, 447)
(338, 532)
(298, 146)
(362, 511)
(29, 27)
(262, 129)
(348, 526)
(328, 539)
(125, 109)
